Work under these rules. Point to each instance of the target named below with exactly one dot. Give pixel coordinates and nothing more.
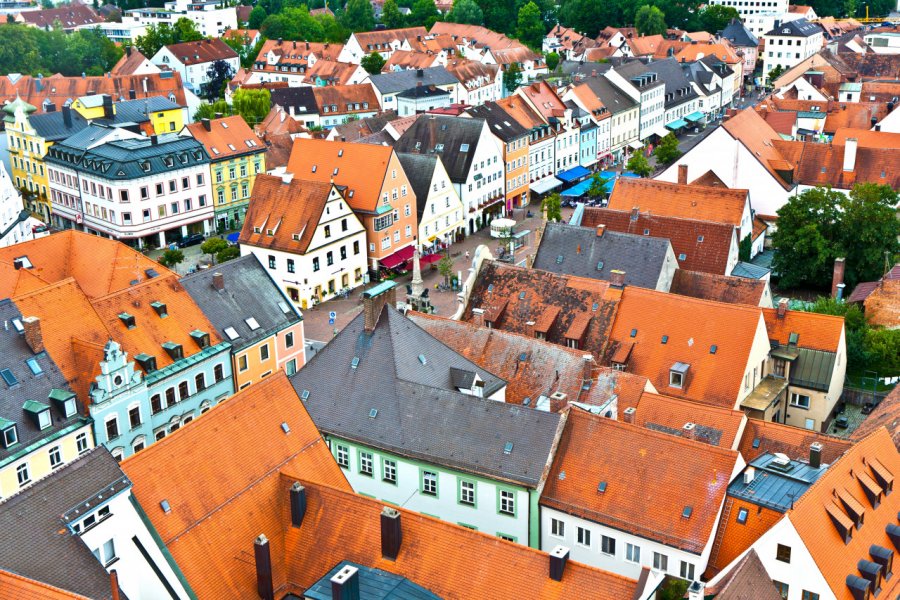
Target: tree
(649, 20)
(551, 206)
(552, 59)
(257, 16)
(530, 28)
(372, 63)
(164, 34)
(804, 248)
(466, 12)
(424, 13)
(588, 16)
(868, 232)
(499, 15)
(512, 77)
(218, 75)
(213, 246)
(226, 254)
(774, 74)
(716, 17)
(358, 15)
(171, 257)
(745, 248)
(598, 185)
(639, 165)
(391, 16)
(666, 150)
(445, 268)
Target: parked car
(191, 240)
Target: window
(134, 416)
(799, 400)
(329, 258)
(676, 379)
(200, 382)
(507, 502)
(170, 397)
(467, 492)
(660, 562)
(55, 457)
(742, 515)
(608, 545)
(687, 571)
(138, 445)
(156, 404)
(632, 553)
(782, 588)
(264, 352)
(290, 265)
(112, 428)
(343, 456)
(584, 537)
(557, 528)
(242, 363)
(429, 483)
(356, 247)
(183, 391)
(291, 366)
(343, 252)
(81, 442)
(315, 263)
(22, 474)
(10, 436)
(389, 471)
(344, 226)
(328, 231)
(365, 463)
(219, 372)
(289, 339)
(783, 553)
(106, 553)
(271, 262)
(809, 595)
(779, 367)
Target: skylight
(422, 359)
(34, 366)
(464, 148)
(231, 333)
(251, 323)
(8, 377)
(507, 449)
(304, 395)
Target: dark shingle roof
(451, 132)
(405, 374)
(32, 544)
(374, 584)
(642, 258)
(249, 293)
(52, 126)
(423, 91)
(612, 98)
(301, 99)
(499, 122)
(398, 81)
(739, 35)
(797, 28)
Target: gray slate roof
(419, 169)
(420, 414)
(749, 271)
(399, 81)
(736, 33)
(499, 122)
(430, 130)
(301, 99)
(669, 71)
(31, 521)
(423, 91)
(796, 28)
(13, 354)
(615, 100)
(52, 126)
(641, 257)
(374, 584)
(249, 292)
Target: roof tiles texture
(823, 164)
(721, 288)
(756, 135)
(734, 538)
(883, 304)
(227, 138)
(717, 426)
(202, 51)
(761, 437)
(748, 581)
(16, 587)
(815, 331)
(886, 414)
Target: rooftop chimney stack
(559, 556)
(837, 277)
(601, 229)
(782, 307)
(33, 336)
(695, 591)
(628, 415)
(682, 174)
(207, 124)
(263, 556)
(298, 504)
(345, 584)
(374, 301)
(635, 213)
(391, 534)
(749, 474)
(107, 106)
(689, 431)
(67, 115)
(617, 279)
(588, 361)
(218, 281)
(850, 154)
(815, 455)
(114, 584)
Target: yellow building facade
(26, 156)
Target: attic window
(713, 348)
(170, 161)
(682, 256)
(601, 487)
(201, 337)
(793, 339)
(160, 308)
(335, 172)
(147, 362)
(285, 427)
(10, 433)
(232, 333)
(521, 295)
(17, 325)
(164, 505)
(127, 320)
(314, 168)
(354, 363)
(34, 366)
(145, 166)
(687, 512)
(699, 238)
(463, 147)
(373, 413)
(39, 413)
(600, 265)
(634, 333)
(508, 448)
(422, 359)
(256, 230)
(439, 147)
(646, 232)
(175, 351)
(677, 374)
(559, 259)
(296, 237)
(251, 323)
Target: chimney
(298, 504)
(837, 277)
(219, 281)
(107, 106)
(782, 307)
(154, 140)
(420, 73)
(558, 558)
(207, 124)
(374, 301)
(345, 584)
(33, 336)
(601, 229)
(67, 115)
(682, 174)
(391, 535)
(263, 556)
(219, 115)
(617, 279)
(114, 584)
(628, 415)
(689, 431)
(815, 455)
(587, 360)
(144, 82)
(132, 95)
(478, 316)
(850, 154)
(127, 50)
(749, 474)
(695, 591)
(635, 213)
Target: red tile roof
(751, 130)
(203, 51)
(16, 587)
(867, 138)
(816, 331)
(349, 99)
(882, 306)
(674, 472)
(131, 60)
(717, 204)
(721, 288)
(823, 164)
(748, 580)
(227, 138)
(733, 538)
(70, 16)
(721, 426)
(765, 436)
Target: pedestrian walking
(467, 255)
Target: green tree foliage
(512, 77)
(598, 185)
(424, 13)
(774, 74)
(246, 53)
(551, 206)
(32, 50)
(639, 165)
(391, 16)
(226, 254)
(164, 34)
(714, 18)
(666, 150)
(294, 23)
(869, 230)
(257, 16)
(466, 12)
(171, 257)
(218, 75)
(649, 20)
(358, 15)
(552, 60)
(445, 268)
(530, 26)
(372, 63)
(745, 248)
(588, 16)
(499, 15)
(253, 105)
(213, 246)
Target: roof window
(160, 308)
(127, 320)
(251, 323)
(64, 401)
(373, 413)
(422, 359)
(201, 337)
(687, 512)
(508, 448)
(665, 339)
(34, 366)
(8, 378)
(147, 362)
(304, 395)
(175, 351)
(354, 363)
(713, 349)
(39, 413)
(682, 256)
(463, 147)
(601, 487)
(232, 333)
(633, 333)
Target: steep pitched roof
(427, 133)
(748, 580)
(227, 138)
(202, 51)
(369, 40)
(714, 425)
(723, 52)
(291, 211)
(69, 16)
(823, 164)
(765, 436)
(572, 250)
(751, 130)
(721, 288)
(16, 587)
(419, 169)
(698, 245)
(720, 205)
(867, 138)
(815, 331)
(130, 61)
(886, 414)
(713, 339)
(500, 123)
(354, 130)
(334, 73)
(409, 59)
(736, 33)
(346, 98)
(398, 81)
(646, 464)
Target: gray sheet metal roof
(641, 257)
(452, 132)
(249, 292)
(749, 271)
(52, 126)
(420, 413)
(31, 521)
(774, 488)
(399, 81)
(374, 584)
(813, 369)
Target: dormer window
(201, 337)
(175, 351)
(10, 433)
(39, 413)
(147, 362)
(160, 308)
(127, 320)
(678, 375)
(64, 401)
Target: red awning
(430, 258)
(397, 258)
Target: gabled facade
(388, 86)
(307, 236)
(543, 99)
(513, 139)
(441, 214)
(478, 83)
(596, 114)
(384, 42)
(16, 223)
(541, 144)
(790, 43)
(625, 117)
(289, 62)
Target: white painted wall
(444, 211)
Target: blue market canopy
(676, 124)
(573, 174)
(694, 117)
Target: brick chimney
(345, 584)
(601, 229)
(587, 361)
(114, 584)
(559, 556)
(682, 174)
(689, 431)
(207, 124)
(478, 316)
(391, 534)
(218, 281)
(815, 455)
(837, 276)
(263, 558)
(628, 415)
(374, 301)
(782, 307)
(33, 336)
(617, 279)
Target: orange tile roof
(407, 59)
(288, 210)
(645, 44)
(734, 538)
(709, 179)
(71, 15)
(386, 36)
(99, 265)
(867, 138)
(765, 436)
(543, 99)
(834, 558)
(590, 101)
(473, 74)
(721, 205)
(756, 135)
(693, 52)
(131, 60)
(342, 96)
(822, 164)
(361, 167)
(674, 472)
(816, 331)
(331, 71)
(227, 138)
(721, 288)
(655, 411)
(202, 51)
(16, 587)
(883, 304)
(519, 110)
(693, 326)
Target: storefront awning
(573, 174)
(397, 258)
(430, 258)
(579, 189)
(636, 145)
(676, 124)
(694, 116)
(660, 131)
(545, 185)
